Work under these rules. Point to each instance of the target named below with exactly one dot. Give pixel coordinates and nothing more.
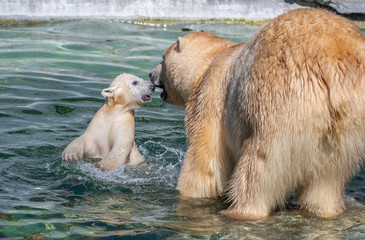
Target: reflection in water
(51, 76)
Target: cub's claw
(72, 154)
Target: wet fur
(299, 86)
(283, 112)
(110, 134)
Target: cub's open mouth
(146, 98)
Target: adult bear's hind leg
(256, 187)
(323, 199)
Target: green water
(51, 76)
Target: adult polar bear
(283, 112)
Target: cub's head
(184, 64)
(128, 91)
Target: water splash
(161, 169)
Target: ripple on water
(79, 47)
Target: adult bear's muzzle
(155, 76)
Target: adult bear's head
(185, 63)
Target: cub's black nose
(150, 75)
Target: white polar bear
(110, 134)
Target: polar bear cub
(110, 134)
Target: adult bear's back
(303, 70)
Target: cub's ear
(107, 92)
(179, 43)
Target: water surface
(51, 76)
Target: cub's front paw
(106, 165)
(72, 154)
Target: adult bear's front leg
(202, 175)
(209, 161)
(207, 164)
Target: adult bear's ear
(179, 43)
(107, 92)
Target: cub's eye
(135, 83)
